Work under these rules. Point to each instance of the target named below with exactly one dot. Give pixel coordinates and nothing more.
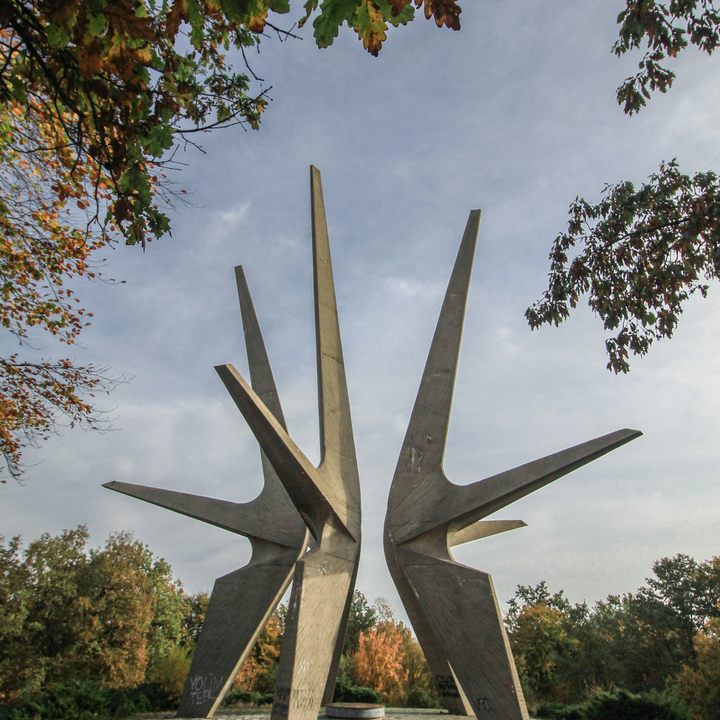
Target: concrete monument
(327, 497)
(296, 497)
(453, 608)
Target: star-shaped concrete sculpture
(453, 608)
(296, 497)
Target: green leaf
(279, 6)
(237, 10)
(333, 13)
(57, 37)
(159, 139)
(403, 17)
(97, 25)
(310, 7)
(370, 26)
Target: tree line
(663, 638)
(81, 620)
(115, 616)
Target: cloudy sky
(514, 114)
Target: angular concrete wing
(327, 497)
(452, 607)
(241, 601)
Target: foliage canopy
(662, 637)
(639, 254)
(96, 100)
(112, 614)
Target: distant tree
(637, 641)
(382, 610)
(378, 661)
(419, 687)
(259, 671)
(116, 590)
(195, 610)
(690, 589)
(15, 598)
(361, 618)
(168, 628)
(541, 642)
(68, 613)
(59, 623)
(643, 643)
(548, 636)
(698, 682)
(639, 254)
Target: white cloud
(236, 215)
(413, 288)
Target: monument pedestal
(354, 711)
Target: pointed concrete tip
(632, 434)
(473, 221)
(112, 485)
(220, 369)
(239, 270)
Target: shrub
(559, 711)
(245, 697)
(85, 700)
(239, 697)
(346, 692)
(419, 697)
(143, 698)
(623, 705)
(76, 700)
(264, 698)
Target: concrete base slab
(354, 711)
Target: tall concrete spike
(431, 414)
(337, 442)
(327, 497)
(241, 601)
(336, 434)
(325, 577)
(453, 608)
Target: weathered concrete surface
(241, 601)
(327, 497)
(452, 607)
(355, 711)
(253, 713)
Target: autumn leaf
(370, 26)
(256, 23)
(399, 5)
(444, 12)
